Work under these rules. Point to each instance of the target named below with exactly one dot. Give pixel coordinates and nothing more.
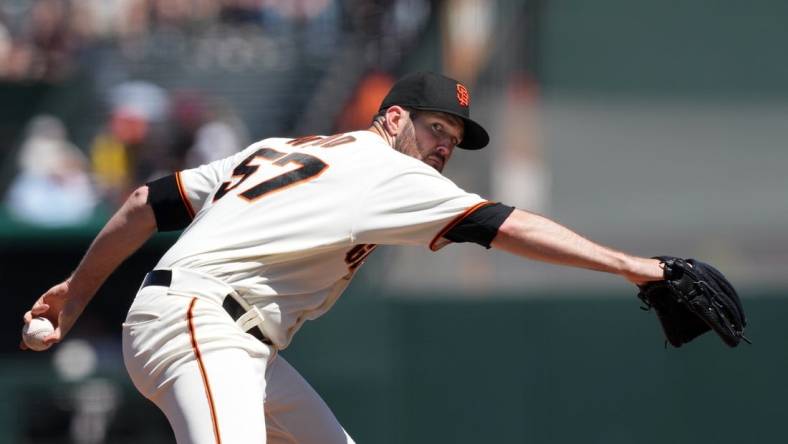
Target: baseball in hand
(34, 333)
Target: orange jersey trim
(182, 191)
(203, 373)
(455, 221)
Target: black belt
(163, 278)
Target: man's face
(430, 137)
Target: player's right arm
(129, 228)
(165, 204)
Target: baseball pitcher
(273, 235)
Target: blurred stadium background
(654, 127)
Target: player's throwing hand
(54, 306)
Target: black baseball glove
(694, 298)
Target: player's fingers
(39, 308)
(26, 318)
(53, 337)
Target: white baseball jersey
(286, 222)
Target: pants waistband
(234, 308)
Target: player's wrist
(75, 291)
(642, 270)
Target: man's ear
(396, 118)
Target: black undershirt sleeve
(481, 226)
(171, 212)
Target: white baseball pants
(215, 383)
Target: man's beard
(406, 143)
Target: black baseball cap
(433, 92)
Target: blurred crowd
(148, 132)
(41, 40)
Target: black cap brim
(475, 136)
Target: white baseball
(34, 333)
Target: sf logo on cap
(463, 96)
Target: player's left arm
(419, 206)
(536, 237)
(128, 229)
